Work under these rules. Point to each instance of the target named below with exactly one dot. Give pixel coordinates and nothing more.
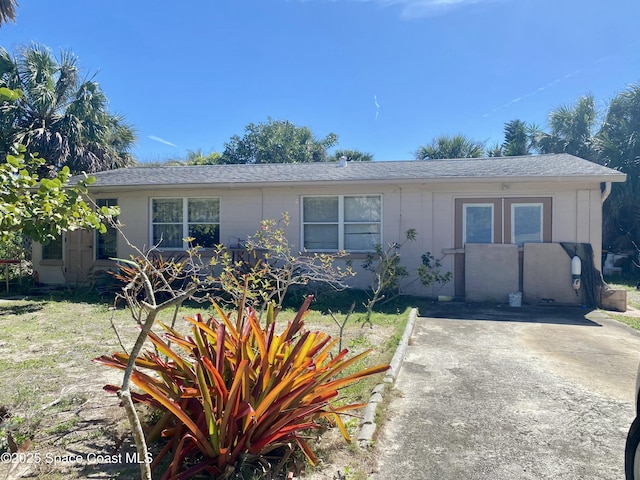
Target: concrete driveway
(511, 393)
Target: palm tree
(618, 141)
(351, 156)
(63, 119)
(618, 146)
(572, 129)
(494, 151)
(520, 138)
(8, 11)
(516, 141)
(444, 146)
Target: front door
(478, 220)
(79, 255)
(515, 220)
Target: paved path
(533, 395)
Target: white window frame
(185, 219)
(465, 206)
(540, 205)
(340, 222)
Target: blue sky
(385, 75)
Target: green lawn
(633, 300)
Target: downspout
(400, 216)
(606, 192)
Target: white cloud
(161, 140)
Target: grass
(633, 299)
(54, 395)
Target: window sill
(173, 252)
(104, 262)
(345, 256)
(51, 263)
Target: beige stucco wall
(492, 272)
(48, 271)
(578, 218)
(428, 207)
(547, 275)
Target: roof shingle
(537, 166)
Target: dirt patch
(68, 436)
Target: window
(526, 223)
(517, 220)
(107, 243)
(174, 219)
(349, 222)
(527, 220)
(52, 250)
(477, 223)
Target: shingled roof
(529, 168)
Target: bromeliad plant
(237, 390)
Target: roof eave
(502, 179)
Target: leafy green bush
(237, 391)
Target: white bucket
(515, 299)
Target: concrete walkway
(511, 393)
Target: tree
(387, 272)
(273, 266)
(618, 141)
(42, 209)
(152, 285)
(63, 119)
(515, 139)
(520, 138)
(277, 141)
(196, 157)
(7, 11)
(235, 390)
(444, 146)
(494, 151)
(572, 130)
(351, 156)
(618, 146)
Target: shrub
(388, 272)
(274, 266)
(241, 391)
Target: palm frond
(7, 11)
(66, 121)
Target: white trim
(464, 219)
(185, 220)
(340, 221)
(513, 220)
